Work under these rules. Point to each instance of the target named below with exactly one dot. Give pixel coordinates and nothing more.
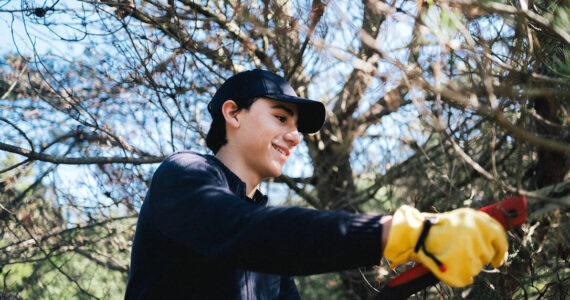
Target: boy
(205, 232)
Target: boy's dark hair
(216, 136)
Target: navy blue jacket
(199, 236)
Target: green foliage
(320, 287)
(561, 65)
(39, 280)
(561, 15)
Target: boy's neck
(236, 165)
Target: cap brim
(312, 114)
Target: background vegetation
(438, 104)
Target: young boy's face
(266, 136)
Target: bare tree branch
(79, 160)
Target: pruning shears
(511, 213)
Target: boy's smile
(284, 151)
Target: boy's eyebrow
(286, 109)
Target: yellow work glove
(455, 246)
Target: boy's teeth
(279, 149)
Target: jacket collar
(236, 185)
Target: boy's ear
(230, 111)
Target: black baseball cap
(262, 83)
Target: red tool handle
(511, 213)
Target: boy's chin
(275, 173)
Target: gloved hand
(455, 246)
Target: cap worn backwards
(262, 83)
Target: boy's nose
(293, 138)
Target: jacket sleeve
(191, 207)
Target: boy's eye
(281, 119)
